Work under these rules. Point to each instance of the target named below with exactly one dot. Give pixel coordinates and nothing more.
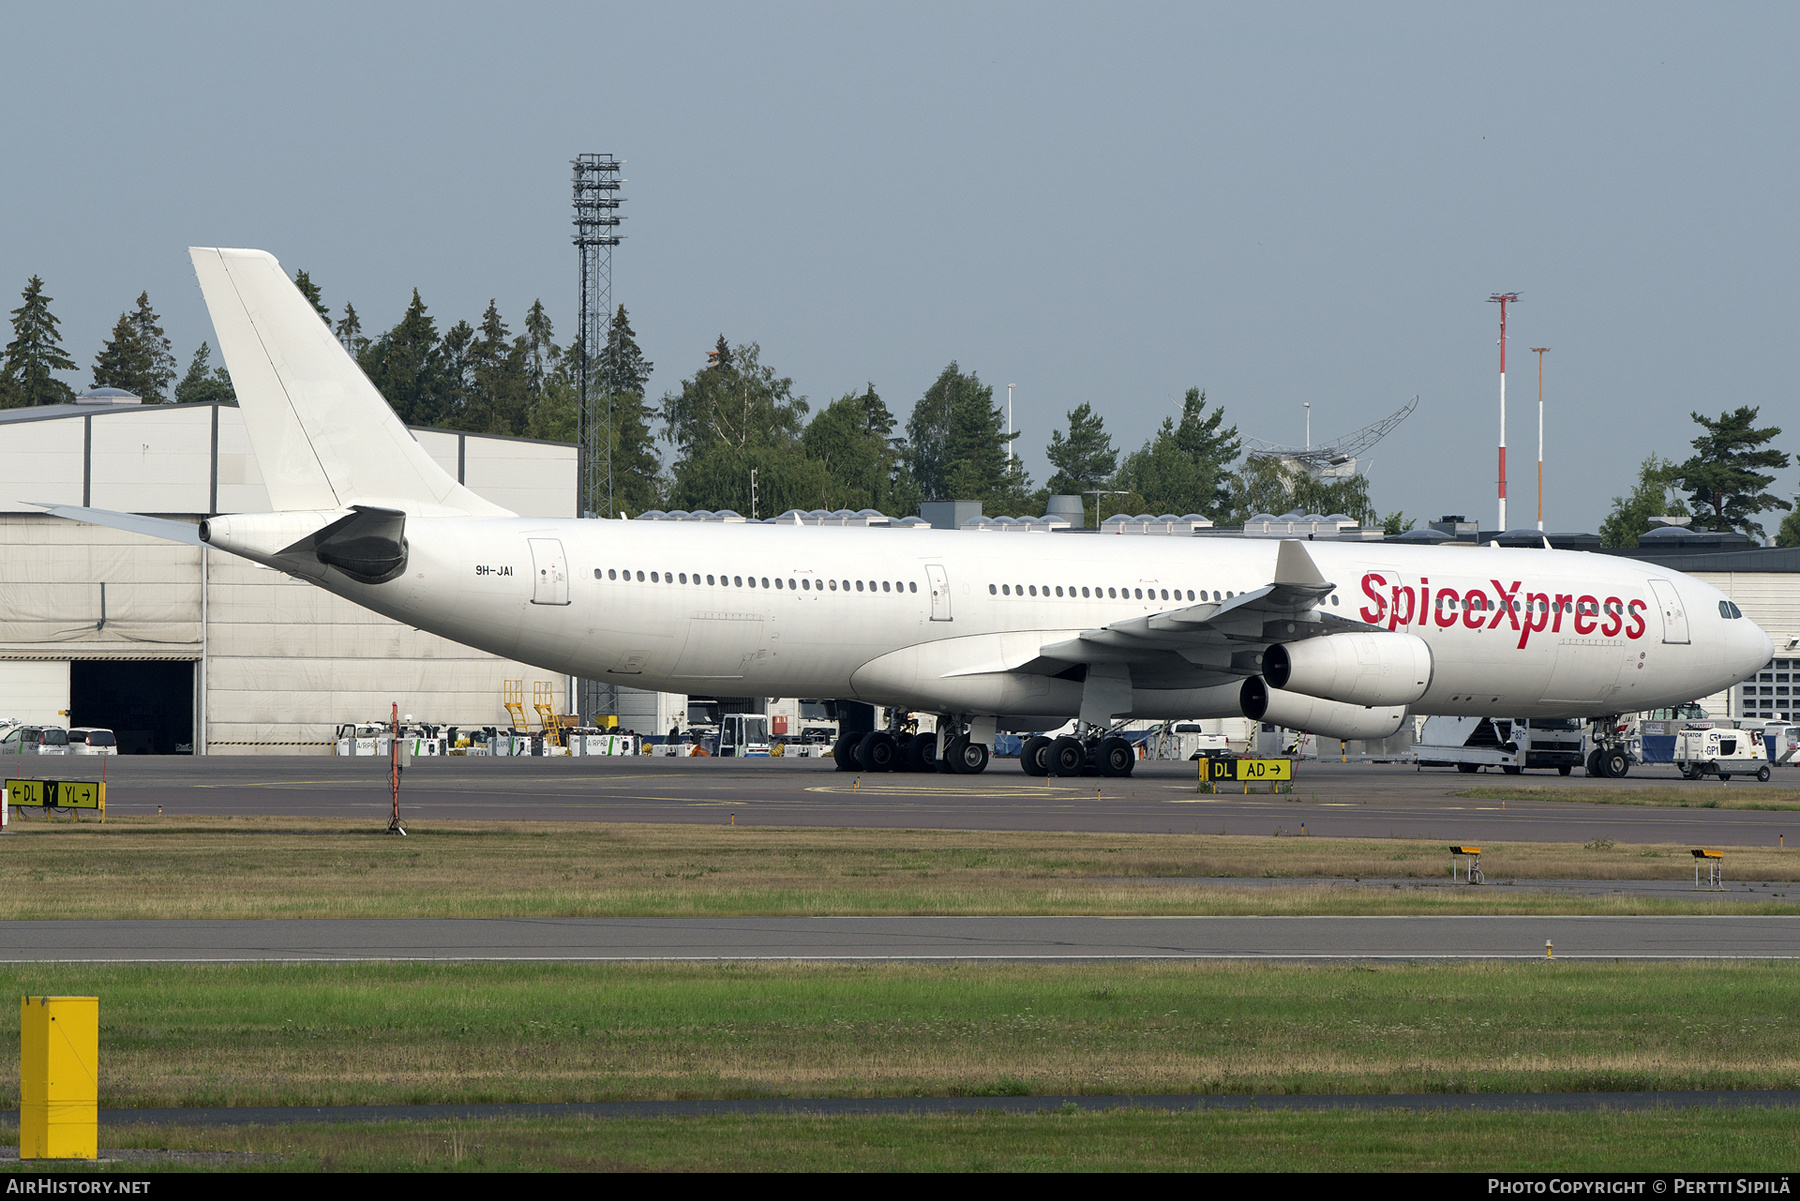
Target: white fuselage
(941, 620)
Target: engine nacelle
(1328, 719)
(1355, 668)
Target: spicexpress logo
(1394, 604)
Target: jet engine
(1328, 719)
(1355, 668)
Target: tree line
(1726, 480)
(735, 414)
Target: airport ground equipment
(1714, 864)
(1470, 744)
(1782, 742)
(1244, 769)
(59, 1077)
(1459, 854)
(512, 696)
(744, 735)
(53, 796)
(1721, 753)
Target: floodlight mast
(1503, 299)
(1539, 351)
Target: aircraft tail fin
(324, 437)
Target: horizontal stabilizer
(153, 527)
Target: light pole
(1307, 405)
(1539, 352)
(1009, 426)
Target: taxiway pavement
(1329, 799)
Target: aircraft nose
(1754, 648)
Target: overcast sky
(1276, 203)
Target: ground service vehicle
(1470, 744)
(1721, 753)
(1341, 639)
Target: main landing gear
(902, 748)
(1096, 752)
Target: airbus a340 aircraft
(987, 632)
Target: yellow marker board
(57, 794)
(1221, 768)
(59, 1060)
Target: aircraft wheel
(967, 758)
(844, 752)
(1762, 774)
(1468, 769)
(1615, 765)
(1066, 757)
(1511, 770)
(1116, 757)
(923, 752)
(1564, 770)
(1034, 759)
(877, 751)
(1593, 764)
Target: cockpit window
(1728, 610)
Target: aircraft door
(550, 572)
(1675, 623)
(940, 592)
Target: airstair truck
(1470, 744)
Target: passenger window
(737, 581)
(913, 587)
(653, 578)
(859, 587)
(993, 591)
(709, 579)
(1034, 590)
(1059, 590)
(596, 573)
(1140, 593)
(778, 581)
(684, 577)
(640, 577)
(612, 573)
(765, 581)
(884, 585)
(792, 585)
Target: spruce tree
(1185, 468)
(405, 365)
(349, 331)
(204, 384)
(310, 290)
(34, 353)
(137, 357)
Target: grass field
(324, 1034)
(1660, 1140)
(244, 868)
(1709, 794)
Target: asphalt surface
(274, 1115)
(1329, 799)
(1047, 939)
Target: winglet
(1294, 566)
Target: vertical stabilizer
(324, 437)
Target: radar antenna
(1335, 459)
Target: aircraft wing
(1211, 642)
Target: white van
(92, 740)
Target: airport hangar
(178, 648)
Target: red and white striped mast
(1503, 299)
